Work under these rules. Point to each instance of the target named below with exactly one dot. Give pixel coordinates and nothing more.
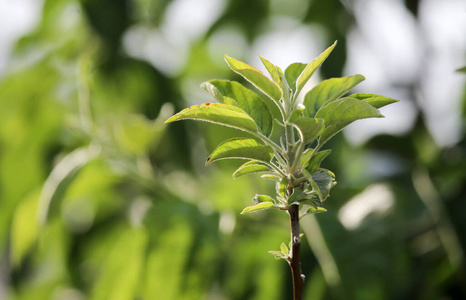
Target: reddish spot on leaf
(207, 104)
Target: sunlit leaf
(311, 68)
(256, 77)
(272, 69)
(327, 91)
(309, 128)
(224, 90)
(376, 101)
(292, 73)
(257, 207)
(262, 198)
(241, 148)
(218, 113)
(250, 167)
(284, 249)
(346, 110)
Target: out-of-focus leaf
(256, 77)
(257, 207)
(24, 228)
(292, 73)
(135, 134)
(463, 69)
(327, 91)
(281, 187)
(121, 274)
(374, 100)
(250, 167)
(218, 113)
(224, 90)
(241, 148)
(60, 178)
(347, 110)
(309, 128)
(311, 68)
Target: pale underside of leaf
(241, 148)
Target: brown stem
(295, 260)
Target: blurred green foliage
(98, 201)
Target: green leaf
(241, 148)
(262, 198)
(347, 110)
(281, 187)
(311, 68)
(224, 90)
(61, 177)
(376, 101)
(256, 77)
(292, 73)
(250, 167)
(331, 131)
(313, 210)
(463, 69)
(322, 181)
(327, 91)
(272, 69)
(314, 162)
(272, 177)
(284, 249)
(257, 207)
(309, 128)
(218, 113)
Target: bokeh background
(100, 200)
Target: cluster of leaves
(287, 135)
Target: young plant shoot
(293, 159)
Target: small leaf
(250, 167)
(256, 77)
(313, 210)
(347, 110)
(272, 177)
(311, 68)
(257, 207)
(376, 101)
(272, 69)
(278, 255)
(309, 128)
(241, 148)
(244, 98)
(328, 91)
(314, 162)
(262, 198)
(281, 187)
(284, 249)
(292, 73)
(218, 113)
(322, 181)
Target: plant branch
(295, 260)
